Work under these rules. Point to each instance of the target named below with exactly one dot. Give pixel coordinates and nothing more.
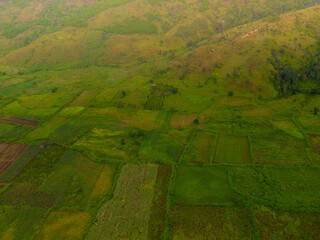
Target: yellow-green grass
(179, 120)
(14, 109)
(63, 225)
(276, 224)
(187, 102)
(47, 128)
(45, 100)
(232, 149)
(130, 207)
(144, 119)
(310, 123)
(104, 182)
(199, 150)
(76, 175)
(113, 143)
(203, 185)
(315, 155)
(207, 222)
(20, 222)
(259, 112)
(276, 148)
(70, 111)
(288, 127)
(83, 99)
(232, 102)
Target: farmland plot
(290, 187)
(200, 149)
(158, 211)
(63, 225)
(115, 143)
(203, 185)
(276, 224)
(159, 148)
(276, 148)
(21, 161)
(207, 222)
(127, 214)
(8, 154)
(18, 223)
(232, 149)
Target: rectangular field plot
(44, 131)
(214, 223)
(63, 225)
(277, 148)
(26, 194)
(76, 179)
(160, 148)
(275, 224)
(159, 203)
(203, 185)
(20, 162)
(200, 148)
(83, 99)
(16, 110)
(295, 187)
(232, 149)
(115, 143)
(182, 120)
(130, 208)
(9, 153)
(19, 121)
(11, 131)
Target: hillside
(145, 119)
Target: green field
(203, 185)
(232, 149)
(159, 119)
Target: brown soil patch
(182, 120)
(19, 121)
(4, 165)
(314, 141)
(9, 152)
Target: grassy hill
(191, 119)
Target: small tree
(230, 94)
(315, 110)
(53, 90)
(196, 121)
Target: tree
(315, 110)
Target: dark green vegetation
(159, 119)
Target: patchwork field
(130, 207)
(159, 119)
